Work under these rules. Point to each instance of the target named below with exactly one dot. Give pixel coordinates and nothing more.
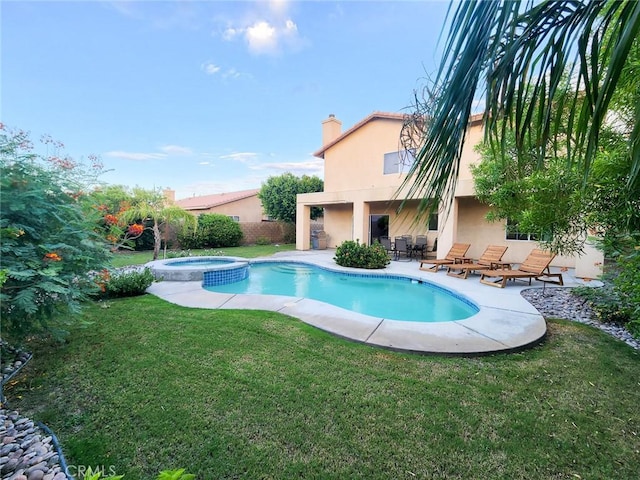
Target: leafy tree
(547, 195)
(49, 243)
(151, 206)
(518, 53)
(278, 195)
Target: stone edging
(28, 450)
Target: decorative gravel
(26, 451)
(561, 303)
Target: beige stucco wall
(473, 228)
(357, 161)
(337, 224)
(248, 209)
(469, 156)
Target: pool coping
(506, 322)
(192, 270)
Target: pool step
(294, 269)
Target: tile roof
(204, 202)
(374, 116)
(361, 123)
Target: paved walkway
(505, 322)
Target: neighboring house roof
(361, 123)
(205, 202)
(370, 118)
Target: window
(433, 222)
(398, 162)
(513, 233)
(235, 218)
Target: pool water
(392, 298)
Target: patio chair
(455, 255)
(432, 252)
(535, 266)
(420, 246)
(386, 243)
(488, 260)
(402, 248)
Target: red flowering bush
(110, 219)
(52, 256)
(48, 243)
(135, 230)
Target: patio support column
(303, 226)
(448, 233)
(361, 221)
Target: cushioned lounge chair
(535, 266)
(456, 254)
(489, 259)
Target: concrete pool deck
(506, 321)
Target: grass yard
(248, 394)
(125, 258)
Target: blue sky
(208, 96)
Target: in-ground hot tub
(211, 270)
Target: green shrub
(262, 240)
(627, 284)
(359, 255)
(213, 231)
(128, 283)
(618, 300)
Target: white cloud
(137, 156)
(176, 150)
(210, 68)
(269, 31)
(231, 73)
(165, 152)
(261, 37)
(204, 163)
(222, 186)
(290, 27)
(278, 6)
(230, 33)
(242, 157)
(313, 167)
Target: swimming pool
(389, 297)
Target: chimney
(331, 129)
(169, 195)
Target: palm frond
(519, 55)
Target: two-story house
(364, 167)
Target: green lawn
(124, 258)
(248, 394)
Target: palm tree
(519, 54)
(150, 205)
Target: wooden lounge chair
(536, 265)
(488, 260)
(455, 255)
